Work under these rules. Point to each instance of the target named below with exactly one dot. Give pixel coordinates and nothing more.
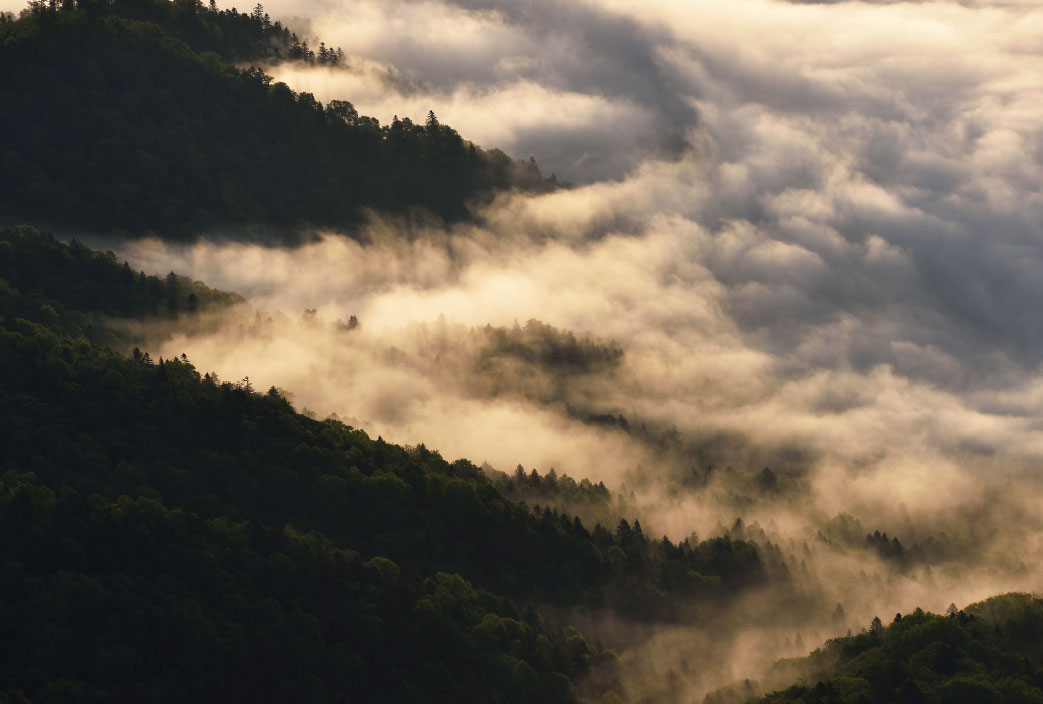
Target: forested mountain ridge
(130, 117)
(171, 536)
(989, 652)
(233, 35)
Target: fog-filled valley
(750, 342)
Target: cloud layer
(869, 174)
(815, 229)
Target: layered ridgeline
(172, 533)
(136, 115)
(169, 536)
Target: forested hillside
(786, 377)
(131, 117)
(988, 653)
(171, 536)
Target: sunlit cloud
(814, 229)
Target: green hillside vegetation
(232, 35)
(535, 361)
(130, 117)
(844, 532)
(544, 364)
(988, 653)
(170, 536)
(73, 290)
(545, 347)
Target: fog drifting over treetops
(816, 228)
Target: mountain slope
(989, 652)
(115, 124)
(174, 537)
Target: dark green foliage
(989, 652)
(544, 364)
(1019, 617)
(651, 578)
(534, 488)
(128, 600)
(887, 548)
(236, 36)
(547, 348)
(169, 537)
(113, 123)
(71, 288)
(86, 280)
(844, 532)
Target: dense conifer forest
(138, 116)
(166, 527)
(172, 536)
(989, 652)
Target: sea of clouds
(816, 227)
